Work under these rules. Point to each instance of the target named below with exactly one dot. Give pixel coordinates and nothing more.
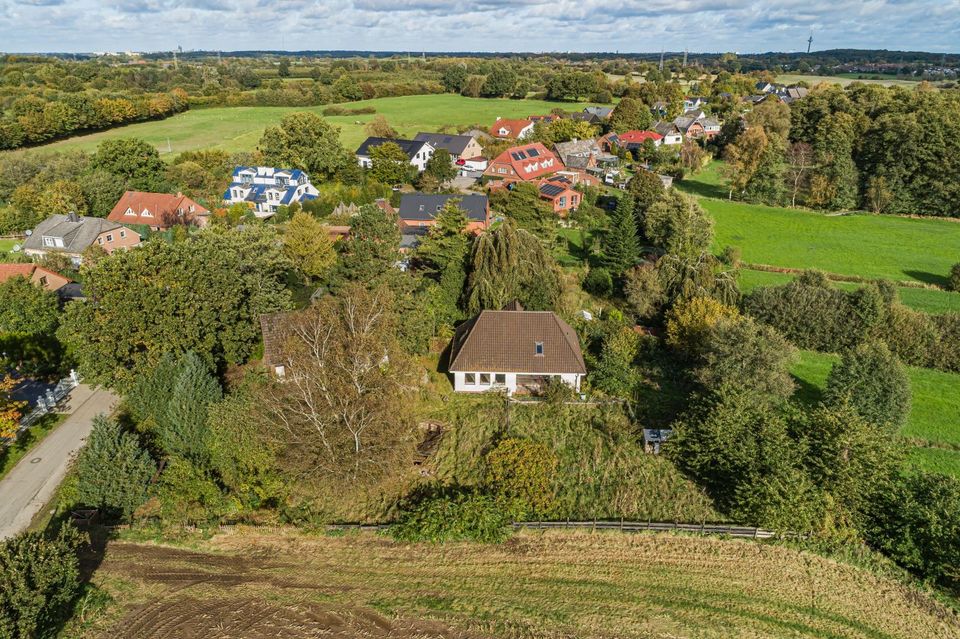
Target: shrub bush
(874, 382)
(456, 514)
(954, 279)
(598, 282)
(522, 471)
(39, 578)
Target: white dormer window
(129, 211)
(538, 349)
(146, 213)
(47, 241)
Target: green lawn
(922, 299)
(871, 246)
(938, 460)
(934, 416)
(239, 128)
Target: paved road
(30, 484)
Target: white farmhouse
(516, 351)
(267, 188)
(419, 152)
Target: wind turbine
(809, 41)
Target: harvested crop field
(250, 584)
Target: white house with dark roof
(515, 351)
(266, 188)
(460, 147)
(418, 152)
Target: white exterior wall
(673, 138)
(510, 382)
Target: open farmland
(245, 584)
(239, 128)
(845, 79)
(934, 414)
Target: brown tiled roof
(505, 341)
(162, 207)
(51, 280)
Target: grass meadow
(934, 422)
(537, 584)
(239, 128)
(844, 79)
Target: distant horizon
(494, 26)
(478, 52)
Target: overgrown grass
(27, 441)
(536, 585)
(603, 471)
(239, 128)
(928, 300)
(934, 414)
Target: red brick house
(559, 192)
(159, 211)
(526, 163)
(45, 278)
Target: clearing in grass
(246, 584)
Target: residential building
(697, 124)
(515, 351)
(72, 234)
(511, 129)
(459, 147)
(528, 162)
(603, 113)
(631, 140)
(265, 188)
(159, 211)
(671, 134)
(585, 154)
(559, 192)
(421, 209)
(418, 152)
(693, 102)
(38, 275)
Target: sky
(743, 26)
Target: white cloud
(489, 25)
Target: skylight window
(539, 348)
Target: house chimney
(73, 217)
(179, 194)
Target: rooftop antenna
(809, 41)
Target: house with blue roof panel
(265, 188)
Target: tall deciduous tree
(679, 225)
(205, 294)
(389, 163)
(308, 246)
(508, 263)
(630, 114)
(341, 412)
(135, 161)
(440, 166)
(308, 142)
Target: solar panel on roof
(533, 153)
(551, 189)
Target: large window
(470, 379)
(500, 379)
(485, 379)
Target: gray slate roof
(425, 206)
(455, 144)
(78, 232)
(410, 147)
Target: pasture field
(239, 128)
(934, 414)
(928, 300)
(871, 246)
(244, 584)
(844, 79)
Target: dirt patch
(192, 618)
(208, 596)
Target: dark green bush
(456, 514)
(598, 282)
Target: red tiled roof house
(159, 211)
(526, 163)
